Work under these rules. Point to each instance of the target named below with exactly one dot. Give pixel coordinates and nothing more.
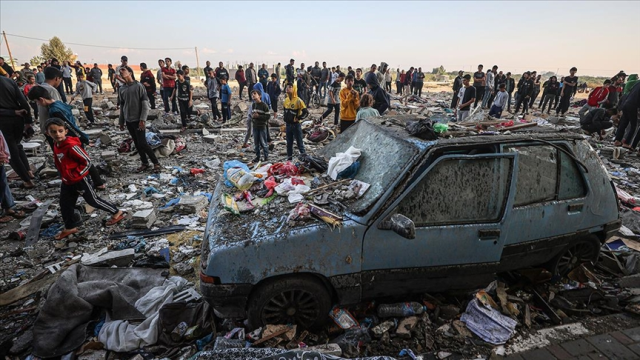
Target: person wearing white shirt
(499, 102)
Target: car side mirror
(400, 224)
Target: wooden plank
(519, 126)
(25, 290)
(33, 233)
(269, 337)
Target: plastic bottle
(400, 309)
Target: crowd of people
(351, 96)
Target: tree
(439, 70)
(56, 49)
(36, 60)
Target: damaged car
(439, 215)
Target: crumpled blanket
(62, 323)
(273, 354)
(122, 336)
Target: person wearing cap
(568, 89)
(466, 97)
(96, 73)
(457, 85)
(290, 71)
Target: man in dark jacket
(457, 84)
(324, 79)
(511, 84)
(316, 74)
(597, 120)
(290, 71)
(525, 89)
(381, 101)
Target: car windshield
(383, 160)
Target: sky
(598, 37)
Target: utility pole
(197, 63)
(9, 50)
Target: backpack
(597, 95)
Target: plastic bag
(422, 129)
(287, 169)
(229, 203)
(232, 164)
(240, 178)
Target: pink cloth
(4, 150)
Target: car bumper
(228, 300)
(611, 228)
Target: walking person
(15, 118)
(134, 111)
(85, 89)
(568, 89)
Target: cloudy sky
(598, 37)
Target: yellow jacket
(349, 102)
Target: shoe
(245, 146)
(255, 160)
(266, 158)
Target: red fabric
(27, 88)
(168, 83)
(71, 160)
(597, 95)
(240, 76)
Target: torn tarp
(61, 325)
(488, 323)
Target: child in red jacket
(73, 163)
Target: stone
(632, 281)
(108, 155)
(210, 138)
(105, 139)
(93, 133)
(183, 269)
(118, 258)
(192, 204)
(405, 327)
(240, 108)
(143, 219)
(171, 132)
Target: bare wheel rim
(291, 307)
(573, 257)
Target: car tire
(304, 301)
(575, 254)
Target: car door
(458, 205)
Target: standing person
(168, 84)
(290, 72)
(225, 100)
(73, 164)
(207, 69)
(249, 122)
(359, 84)
(263, 75)
(614, 91)
(85, 89)
(387, 80)
(414, 82)
(366, 111)
(499, 102)
(260, 122)
(159, 77)
(324, 79)
(252, 78)
(303, 86)
(55, 64)
(408, 89)
(510, 86)
(31, 82)
(124, 62)
(274, 91)
(149, 81)
(568, 89)
(316, 73)
(629, 118)
(15, 118)
(349, 102)
(134, 111)
(524, 93)
(40, 75)
(419, 82)
(277, 72)
(294, 111)
(535, 79)
(479, 82)
(96, 72)
(398, 81)
(350, 71)
(457, 85)
(550, 90)
(333, 103)
(381, 100)
(66, 77)
(466, 97)
(489, 87)
(7, 203)
(213, 93)
(185, 98)
(222, 73)
(242, 81)
(111, 75)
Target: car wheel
(304, 301)
(575, 254)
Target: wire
(98, 46)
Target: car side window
(454, 191)
(537, 173)
(571, 181)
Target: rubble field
(111, 292)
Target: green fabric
(633, 79)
